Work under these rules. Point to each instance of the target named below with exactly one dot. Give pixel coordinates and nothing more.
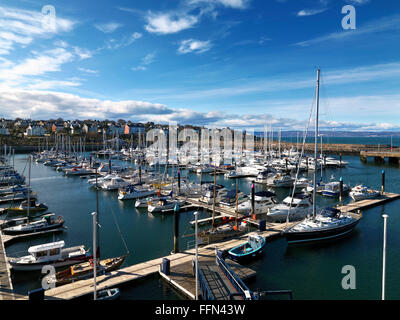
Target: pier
(6, 288)
(369, 203)
(144, 269)
(393, 156)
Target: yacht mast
(29, 185)
(316, 148)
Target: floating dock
(141, 270)
(181, 275)
(6, 289)
(369, 203)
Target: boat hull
(38, 266)
(246, 256)
(319, 235)
(33, 230)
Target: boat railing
(242, 289)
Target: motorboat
(47, 222)
(164, 205)
(264, 176)
(114, 184)
(134, 192)
(332, 189)
(53, 254)
(263, 200)
(229, 200)
(362, 192)
(250, 249)
(208, 196)
(108, 294)
(291, 208)
(280, 180)
(24, 207)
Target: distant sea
(383, 141)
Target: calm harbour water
(311, 271)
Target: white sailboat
(328, 223)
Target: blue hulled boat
(250, 249)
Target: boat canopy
(267, 194)
(46, 246)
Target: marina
(181, 277)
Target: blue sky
(236, 63)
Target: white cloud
(108, 27)
(375, 26)
(359, 2)
(51, 84)
(165, 23)
(88, 70)
(20, 27)
(83, 53)
(49, 104)
(123, 42)
(146, 60)
(236, 4)
(196, 46)
(310, 12)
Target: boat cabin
(47, 250)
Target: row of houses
(41, 128)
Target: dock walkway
(6, 289)
(369, 203)
(131, 273)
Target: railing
(206, 293)
(242, 289)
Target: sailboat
(96, 266)
(228, 228)
(30, 204)
(330, 222)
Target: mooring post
(340, 191)
(140, 170)
(385, 216)
(179, 182)
(340, 159)
(176, 229)
(109, 165)
(307, 163)
(252, 199)
(383, 182)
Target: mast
(29, 185)
(94, 214)
(316, 148)
(97, 248)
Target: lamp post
(385, 216)
(197, 258)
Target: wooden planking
(6, 289)
(182, 276)
(368, 203)
(131, 273)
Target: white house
(34, 131)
